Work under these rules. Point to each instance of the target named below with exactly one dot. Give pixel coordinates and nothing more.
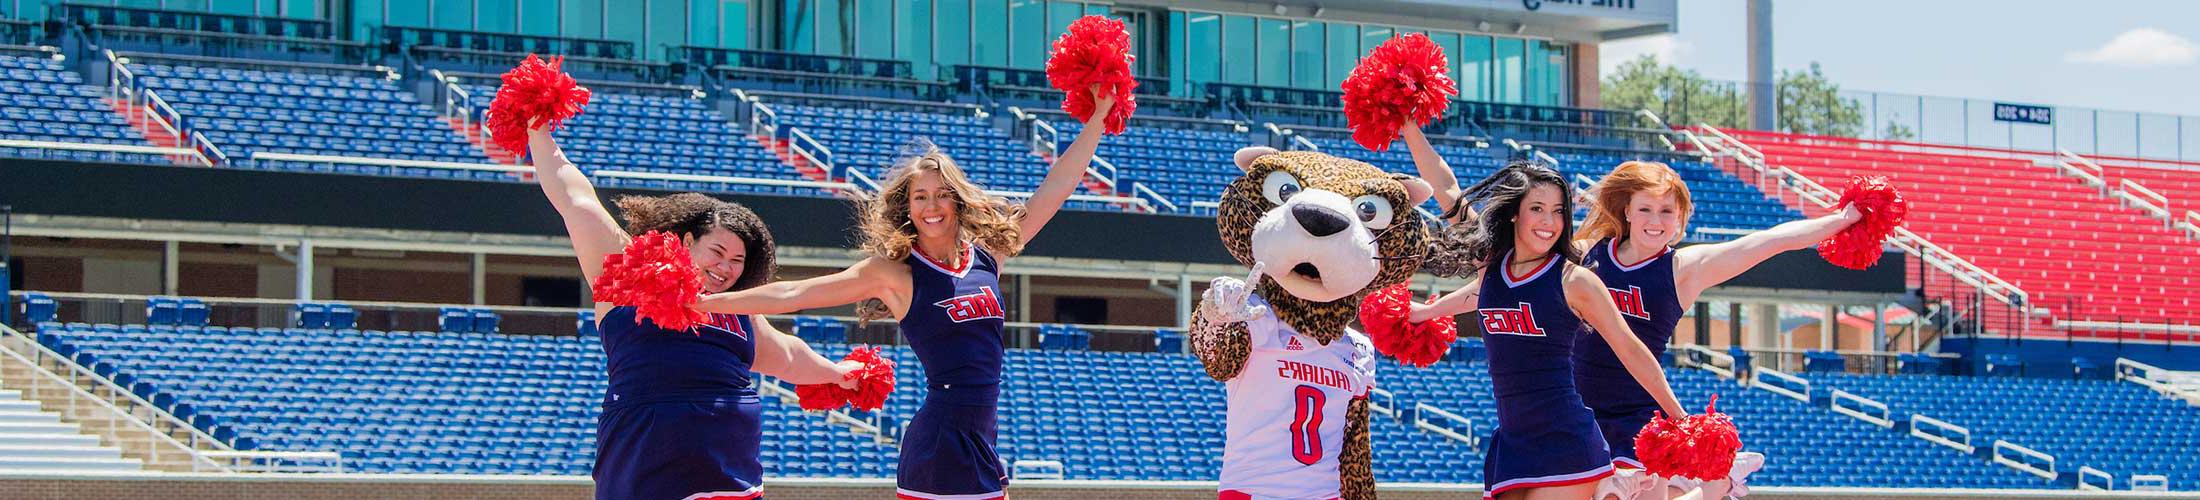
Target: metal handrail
(1882, 419)
(1758, 381)
(1421, 420)
(1919, 422)
(2047, 473)
(620, 174)
(387, 162)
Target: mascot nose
(1318, 221)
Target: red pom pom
(656, 275)
(1405, 78)
(1697, 447)
(1384, 315)
(536, 92)
(1858, 246)
(874, 382)
(1095, 51)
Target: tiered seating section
(872, 140)
(526, 404)
(361, 113)
(2080, 254)
(2120, 428)
(40, 100)
(659, 133)
(1187, 165)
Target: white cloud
(1669, 50)
(2140, 48)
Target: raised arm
(789, 358)
(1067, 173)
(1432, 167)
(1700, 267)
(871, 278)
(1450, 304)
(1586, 295)
(590, 226)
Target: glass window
(733, 30)
(1372, 36)
(1449, 41)
(1175, 50)
(913, 41)
(1306, 54)
(667, 28)
(583, 18)
(1202, 45)
(1027, 24)
(366, 16)
(1344, 52)
(1273, 67)
(702, 23)
(538, 17)
(246, 7)
(623, 22)
(451, 14)
(876, 38)
(407, 13)
(1473, 60)
(1558, 76)
(1537, 87)
(952, 25)
(1059, 16)
(1238, 52)
(303, 8)
(1505, 77)
(991, 42)
(497, 16)
(832, 18)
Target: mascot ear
(1245, 157)
(1416, 189)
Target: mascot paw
(1229, 300)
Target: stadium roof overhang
(1564, 20)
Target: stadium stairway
(35, 440)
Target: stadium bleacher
(44, 101)
(525, 404)
(2074, 251)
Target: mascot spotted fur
(1320, 233)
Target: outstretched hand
(1228, 300)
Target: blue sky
(2130, 55)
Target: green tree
(1808, 103)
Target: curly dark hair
(693, 215)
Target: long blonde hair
(988, 221)
(1607, 216)
(889, 234)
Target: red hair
(1607, 215)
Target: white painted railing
(2078, 166)
(1037, 469)
(1762, 373)
(2149, 482)
(123, 87)
(1141, 189)
(618, 174)
(774, 387)
(1140, 203)
(1043, 136)
(2086, 475)
(1103, 171)
(763, 122)
(388, 162)
(1715, 356)
(1382, 402)
(858, 178)
(1883, 419)
(2013, 455)
(2180, 385)
(1985, 282)
(104, 148)
(1444, 423)
(1944, 433)
(204, 452)
(802, 145)
(1300, 143)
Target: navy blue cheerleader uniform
(1644, 293)
(681, 420)
(1545, 436)
(954, 325)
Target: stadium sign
(2023, 113)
